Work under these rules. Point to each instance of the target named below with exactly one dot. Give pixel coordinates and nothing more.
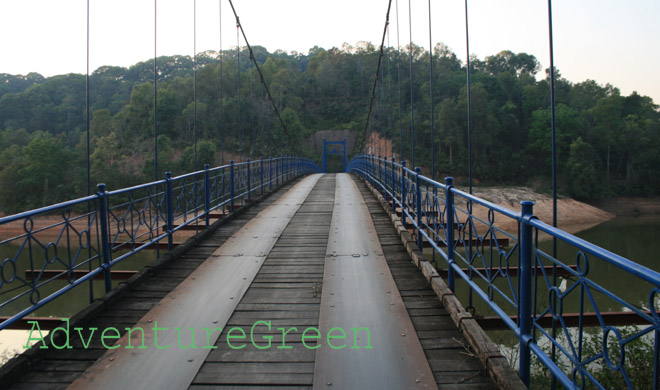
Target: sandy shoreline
(572, 216)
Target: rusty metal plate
(206, 299)
(359, 291)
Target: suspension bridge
(273, 273)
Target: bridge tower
(325, 155)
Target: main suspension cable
(263, 82)
(373, 90)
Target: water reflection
(69, 303)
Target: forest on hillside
(607, 143)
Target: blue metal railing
(498, 255)
(119, 224)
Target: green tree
(43, 179)
(582, 178)
(608, 123)
(205, 155)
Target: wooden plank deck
(286, 291)
(187, 318)
(57, 369)
(360, 292)
(453, 364)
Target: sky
(610, 41)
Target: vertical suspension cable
(553, 123)
(469, 100)
(431, 93)
(263, 121)
(433, 207)
(378, 116)
(222, 112)
(469, 131)
(389, 81)
(155, 90)
(238, 85)
(553, 383)
(195, 76)
(412, 107)
(89, 176)
(251, 112)
(382, 108)
(398, 81)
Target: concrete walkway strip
(180, 331)
(361, 307)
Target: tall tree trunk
(608, 162)
(451, 156)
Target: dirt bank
(572, 215)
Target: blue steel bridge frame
(97, 232)
(325, 154)
(444, 217)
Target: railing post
(323, 157)
(231, 186)
(380, 176)
(403, 193)
(526, 257)
(270, 174)
(449, 225)
(105, 236)
(249, 184)
(385, 182)
(393, 185)
(418, 200)
(169, 204)
(277, 174)
(207, 194)
(261, 174)
(374, 171)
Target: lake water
(635, 238)
(71, 302)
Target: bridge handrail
(465, 231)
(45, 209)
(96, 232)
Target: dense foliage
(606, 143)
